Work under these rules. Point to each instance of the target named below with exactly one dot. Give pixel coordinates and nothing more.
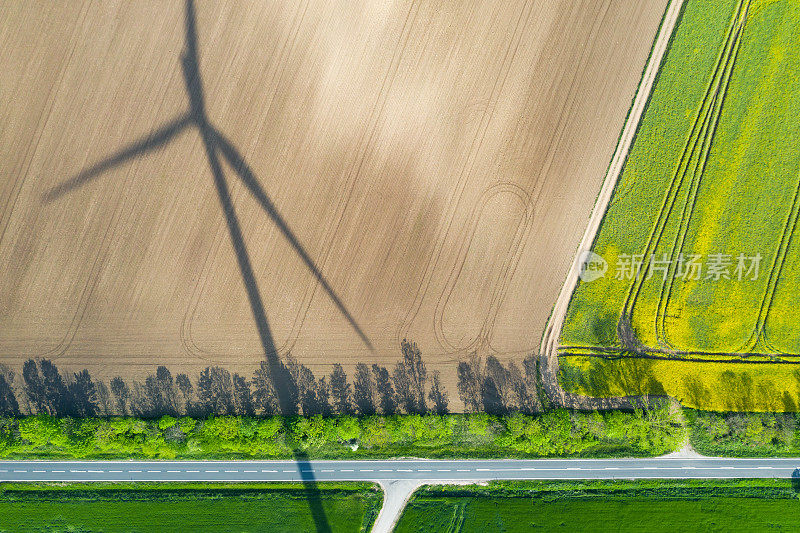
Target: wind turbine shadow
(217, 146)
(153, 141)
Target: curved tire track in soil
(500, 283)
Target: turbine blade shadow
(194, 89)
(248, 178)
(149, 143)
(262, 325)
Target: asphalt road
(435, 470)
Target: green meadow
(647, 506)
(186, 507)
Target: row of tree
(284, 387)
(498, 389)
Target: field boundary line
(552, 331)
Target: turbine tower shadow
(216, 147)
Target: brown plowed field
(437, 161)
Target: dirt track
(438, 161)
(552, 333)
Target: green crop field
(699, 233)
(185, 507)
(770, 505)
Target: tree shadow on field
(218, 147)
(697, 393)
(623, 376)
(737, 391)
(604, 329)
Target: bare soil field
(434, 165)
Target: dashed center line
(501, 469)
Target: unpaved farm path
(552, 332)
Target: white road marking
(250, 471)
(385, 470)
(231, 471)
(110, 471)
(192, 471)
(346, 470)
(328, 470)
(154, 471)
(20, 471)
(425, 470)
(173, 471)
(443, 470)
(214, 471)
(364, 470)
(38, 471)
